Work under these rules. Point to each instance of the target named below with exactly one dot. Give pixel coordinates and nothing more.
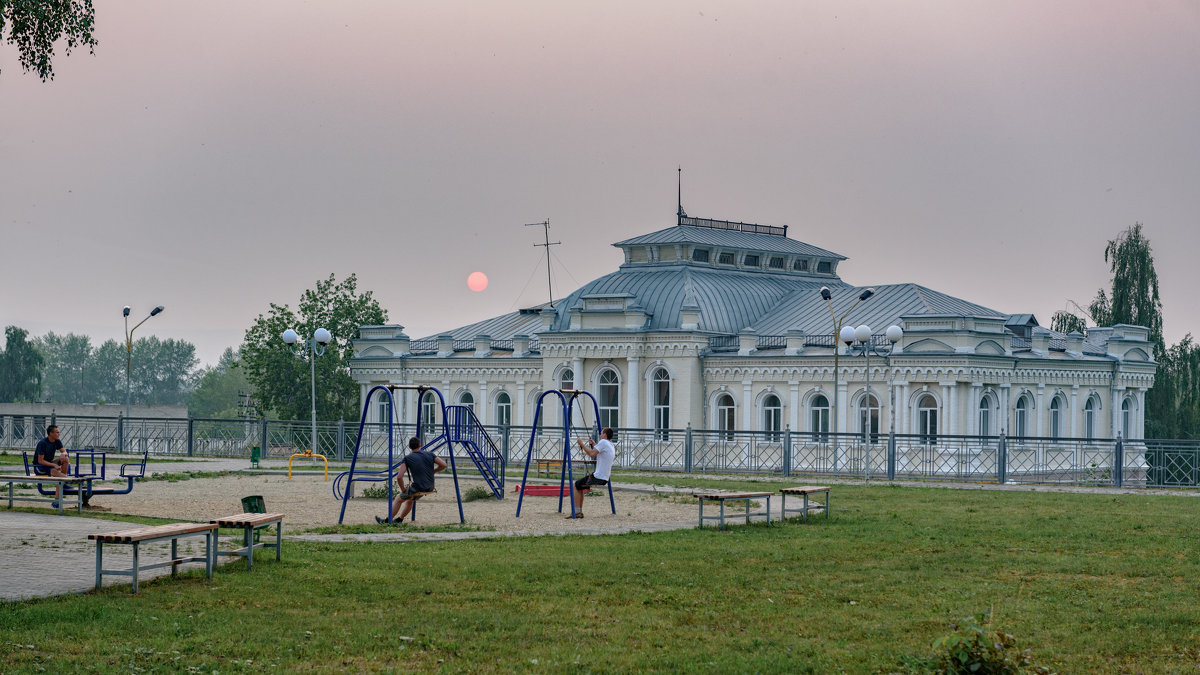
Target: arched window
(772, 418)
(660, 400)
(467, 399)
(927, 419)
(819, 419)
(985, 416)
(1089, 419)
(868, 418)
(610, 397)
(566, 379)
(1020, 417)
(429, 410)
(725, 417)
(503, 409)
(1126, 418)
(1055, 418)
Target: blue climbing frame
(567, 477)
(458, 425)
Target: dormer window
(750, 260)
(700, 255)
(776, 262)
(824, 267)
(725, 258)
(800, 266)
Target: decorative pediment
(376, 351)
(989, 347)
(929, 345)
(1136, 355)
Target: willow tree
(1133, 298)
(35, 27)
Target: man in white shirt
(604, 453)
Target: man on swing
(604, 453)
(422, 465)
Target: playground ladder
(466, 429)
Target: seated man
(604, 453)
(50, 459)
(422, 465)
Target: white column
(944, 422)
(1041, 412)
(577, 368)
(902, 413)
(794, 404)
(482, 410)
(633, 380)
(843, 405)
(519, 418)
(1140, 427)
(747, 407)
(973, 409)
(1075, 411)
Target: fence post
(263, 442)
(341, 440)
(787, 451)
(1118, 462)
(504, 431)
(687, 450)
(191, 437)
(1002, 459)
(120, 434)
(891, 456)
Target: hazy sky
(218, 156)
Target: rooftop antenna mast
(546, 229)
(681, 214)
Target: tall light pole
(863, 335)
(839, 333)
(312, 348)
(129, 347)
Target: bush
(375, 491)
(972, 649)
(477, 492)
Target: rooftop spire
(681, 214)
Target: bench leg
(210, 552)
(279, 541)
(804, 517)
(721, 522)
(248, 535)
(99, 562)
(174, 557)
(135, 567)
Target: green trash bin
(255, 455)
(253, 504)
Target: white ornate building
(722, 325)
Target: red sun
(477, 281)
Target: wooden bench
(805, 491)
(77, 481)
(248, 523)
(150, 534)
(722, 497)
(547, 465)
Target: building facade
(726, 326)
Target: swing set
(458, 426)
(567, 398)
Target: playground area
(308, 502)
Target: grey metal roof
(502, 327)
(805, 310)
(682, 234)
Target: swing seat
(417, 495)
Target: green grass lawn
(1088, 582)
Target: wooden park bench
(804, 491)
(150, 534)
(249, 523)
(722, 497)
(77, 481)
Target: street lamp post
(862, 335)
(129, 347)
(840, 332)
(312, 348)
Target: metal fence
(1115, 462)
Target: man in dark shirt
(422, 465)
(49, 459)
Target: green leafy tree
(67, 360)
(1173, 405)
(107, 372)
(281, 380)
(1133, 298)
(34, 26)
(220, 388)
(163, 371)
(20, 367)
(1066, 322)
